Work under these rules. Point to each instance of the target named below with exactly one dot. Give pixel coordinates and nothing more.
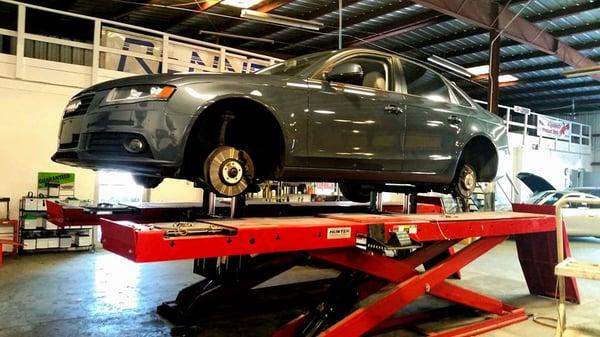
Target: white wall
(30, 114)
(547, 163)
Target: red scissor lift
(378, 254)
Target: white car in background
(581, 219)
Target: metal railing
(166, 42)
(579, 139)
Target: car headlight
(139, 93)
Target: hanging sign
(553, 128)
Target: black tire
(354, 192)
(465, 180)
(147, 181)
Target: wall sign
(188, 58)
(553, 128)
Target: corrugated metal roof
(575, 22)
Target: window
(375, 72)
(118, 187)
(423, 82)
(460, 98)
(295, 65)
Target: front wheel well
(252, 128)
(481, 153)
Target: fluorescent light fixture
(479, 70)
(281, 20)
(575, 72)
(241, 3)
(235, 36)
(442, 62)
(507, 78)
(484, 72)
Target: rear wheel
(354, 192)
(228, 171)
(465, 181)
(147, 181)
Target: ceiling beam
(132, 9)
(208, 4)
(264, 8)
(514, 27)
(556, 33)
(203, 6)
(332, 6)
(553, 97)
(349, 22)
(478, 31)
(403, 26)
(508, 93)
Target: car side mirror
(345, 73)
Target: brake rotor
(467, 181)
(228, 171)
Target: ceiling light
(281, 20)
(479, 70)
(442, 62)
(483, 73)
(235, 36)
(507, 78)
(575, 72)
(241, 3)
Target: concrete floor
(101, 294)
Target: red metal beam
(514, 27)
(369, 317)
(415, 22)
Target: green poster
(66, 180)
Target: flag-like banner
(553, 128)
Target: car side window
(375, 72)
(423, 82)
(460, 98)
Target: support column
(493, 88)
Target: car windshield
(295, 65)
(553, 199)
(537, 197)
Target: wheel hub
(228, 171)
(232, 172)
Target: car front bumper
(96, 137)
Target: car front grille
(86, 100)
(112, 144)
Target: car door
(358, 124)
(434, 119)
(581, 219)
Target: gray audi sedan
(359, 117)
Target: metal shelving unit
(46, 236)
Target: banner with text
(183, 57)
(553, 128)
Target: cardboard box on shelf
(31, 222)
(65, 241)
(82, 240)
(29, 244)
(53, 242)
(49, 225)
(42, 243)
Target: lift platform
(379, 256)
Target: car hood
(183, 79)
(535, 182)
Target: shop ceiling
(406, 27)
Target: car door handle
(393, 109)
(454, 120)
